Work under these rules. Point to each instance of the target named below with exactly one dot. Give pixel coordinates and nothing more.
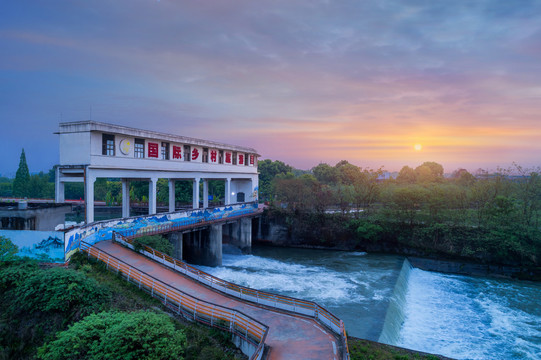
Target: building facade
(90, 150)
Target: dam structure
(263, 325)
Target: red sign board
(177, 152)
(152, 150)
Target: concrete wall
(75, 148)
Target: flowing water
(380, 297)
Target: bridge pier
(203, 247)
(241, 235)
(176, 240)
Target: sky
(375, 82)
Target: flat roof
(90, 125)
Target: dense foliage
(118, 335)
(156, 242)
(38, 303)
(7, 249)
(489, 217)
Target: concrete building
(28, 215)
(91, 150)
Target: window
(108, 145)
(187, 153)
(205, 155)
(221, 157)
(234, 158)
(165, 150)
(139, 148)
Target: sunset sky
(301, 81)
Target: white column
(59, 195)
(227, 191)
(205, 193)
(125, 198)
(171, 195)
(89, 197)
(195, 197)
(152, 196)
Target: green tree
(429, 172)
(268, 170)
(7, 249)
(118, 335)
(406, 176)
(325, 174)
(21, 184)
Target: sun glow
(417, 147)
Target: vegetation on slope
(85, 311)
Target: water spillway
(395, 316)
(382, 298)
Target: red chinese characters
(177, 152)
(213, 154)
(251, 159)
(195, 154)
(152, 150)
(227, 158)
(241, 159)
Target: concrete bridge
(263, 325)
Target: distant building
(91, 150)
(32, 216)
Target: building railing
(186, 223)
(233, 321)
(297, 306)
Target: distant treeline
(489, 217)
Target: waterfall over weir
(395, 316)
(382, 298)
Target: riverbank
(448, 249)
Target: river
(381, 298)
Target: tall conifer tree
(21, 184)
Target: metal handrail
(298, 306)
(179, 225)
(189, 306)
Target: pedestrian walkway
(289, 336)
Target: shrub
(59, 289)
(118, 335)
(7, 249)
(13, 273)
(156, 242)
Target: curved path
(289, 337)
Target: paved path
(290, 337)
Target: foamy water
(457, 316)
(472, 318)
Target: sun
(417, 147)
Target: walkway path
(290, 336)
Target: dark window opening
(139, 148)
(165, 151)
(187, 153)
(240, 197)
(205, 155)
(108, 145)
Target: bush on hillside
(156, 242)
(118, 335)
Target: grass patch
(369, 350)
